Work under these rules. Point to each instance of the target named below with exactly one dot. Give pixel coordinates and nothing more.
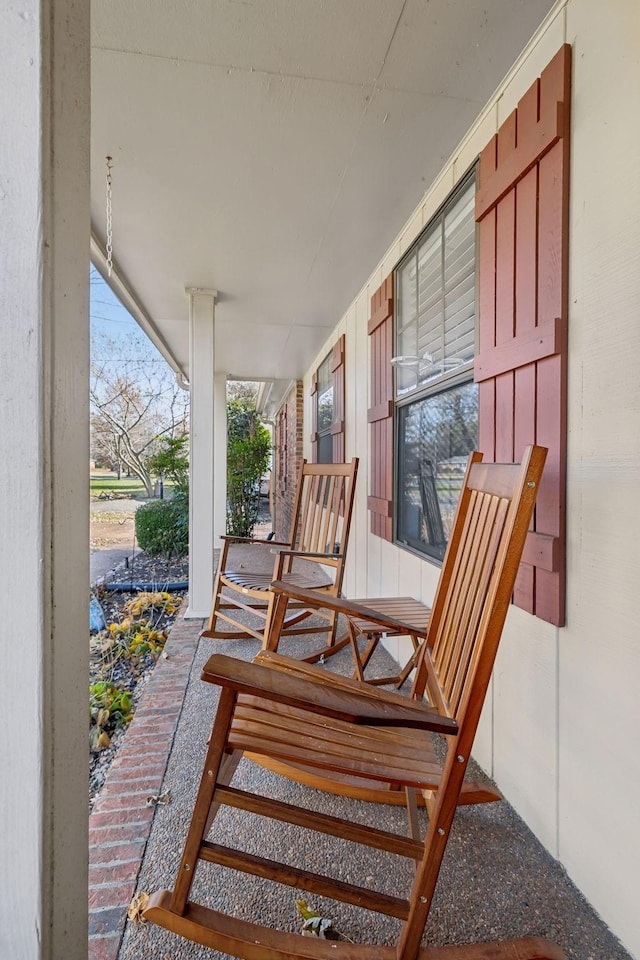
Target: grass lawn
(109, 483)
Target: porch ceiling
(272, 149)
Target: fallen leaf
(137, 905)
(314, 925)
(160, 798)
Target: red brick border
(120, 823)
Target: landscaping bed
(123, 654)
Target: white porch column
(219, 458)
(44, 487)
(202, 429)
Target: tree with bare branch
(135, 403)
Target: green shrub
(171, 462)
(248, 453)
(162, 527)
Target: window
(327, 407)
(324, 410)
(436, 400)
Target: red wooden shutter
(521, 368)
(380, 415)
(314, 418)
(337, 427)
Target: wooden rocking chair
(287, 709)
(318, 542)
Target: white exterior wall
(561, 728)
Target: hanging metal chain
(109, 219)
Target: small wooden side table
(411, 611)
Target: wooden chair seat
(260, 583)
(296, 711)
(375, 618)
(312, 557)
(373, 763)
(378, 753)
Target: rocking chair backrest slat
(326, 514)
(477, 531)
(447, 598)
(300, 539)
(318, 517)
(337, 498)
(323, 510)
(454, 643)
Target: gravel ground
(496, 881)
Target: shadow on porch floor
(496, 882)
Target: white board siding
(561, 725)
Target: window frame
(335, 430)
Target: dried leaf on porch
(314, 925)
(154, 800)
(137, 905)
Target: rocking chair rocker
(341, 724)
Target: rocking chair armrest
(341, 605)
(309, 556)
(260, 681)
(272, 543)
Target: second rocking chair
(312, 557)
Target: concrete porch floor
(496, 881)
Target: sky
(110, 321)
(119, 348)
(108, 316)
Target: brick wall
(287, 459)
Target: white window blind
(435, 326)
